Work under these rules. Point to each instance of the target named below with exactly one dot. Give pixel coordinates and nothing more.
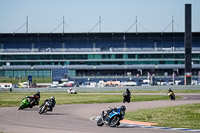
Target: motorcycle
(29, 102)
(127, 98)
(112, 117)
(71, 91)
(171, 95)
(25, 103)
(44, 108)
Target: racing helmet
(37, 93)
(123, 108)
(52, 98)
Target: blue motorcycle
(112, 117)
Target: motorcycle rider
(127, 96)
(170, 90)
(70, 89)
(171, 94)
(34, 99)
(123, 108)
(52, 102)
(128, 92)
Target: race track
(75, 118)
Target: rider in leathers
(52, 103)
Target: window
(106, 56)
(143, 56)
(179, 56)
(118, 56)
(131, 56)
(167, 56)
(155, 56)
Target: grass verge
(144, 91)
(25, 79)
(8, 99)
(184, 116)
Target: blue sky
(82, 15)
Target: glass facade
(91, 50)
(25, 73)
(97, 59)
(96, 56)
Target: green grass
(8, 99)
(16, 81)
(187, 91)
(185, 116)
(145, 91)
(165, 91)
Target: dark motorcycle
(44, 108)
(127, 98)
(171, 95)
(112, 117)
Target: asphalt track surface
(75, 118)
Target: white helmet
(52, 98)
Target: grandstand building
(96, 55)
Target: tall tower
(188, 44)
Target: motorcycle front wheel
(173, 97)
(42, 110)
(20, 108)
(129, 99)
(100, 122)
(114, 121)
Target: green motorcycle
(25, 103)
